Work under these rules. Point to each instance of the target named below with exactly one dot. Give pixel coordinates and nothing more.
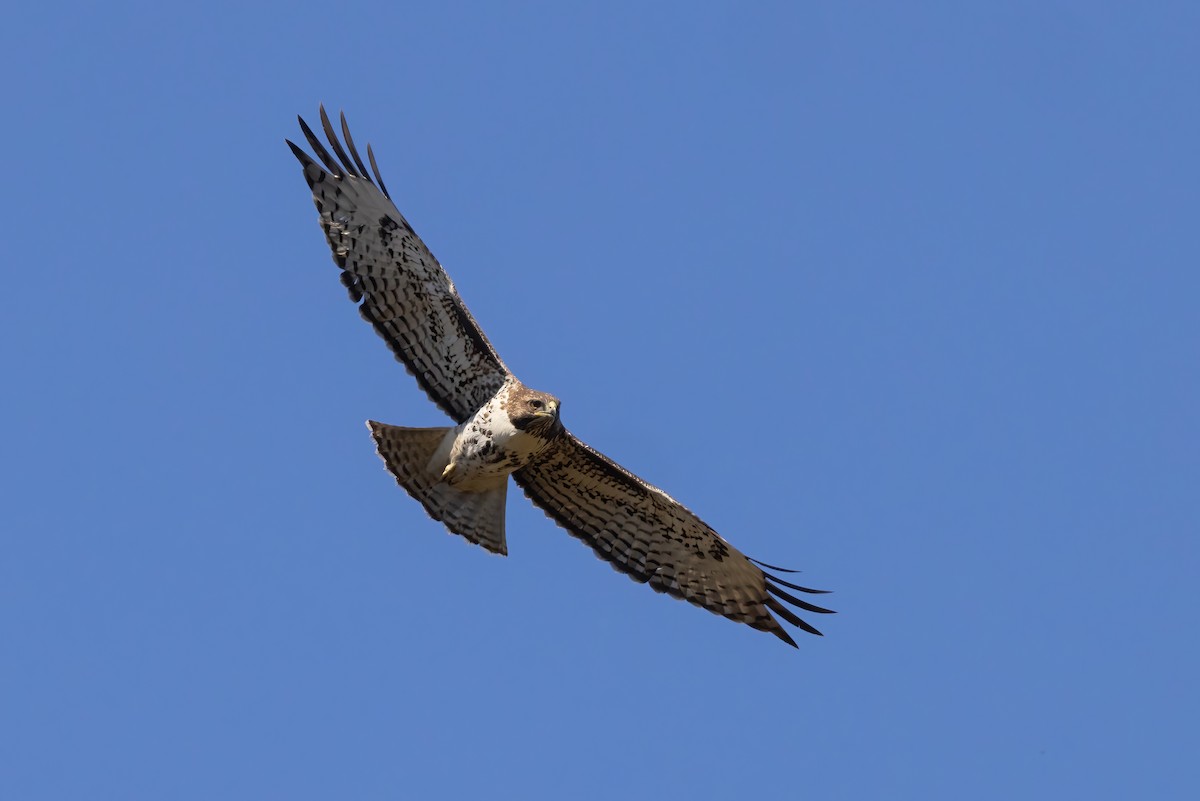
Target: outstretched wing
(653, 538)
(400, 287)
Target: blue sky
(901, 295)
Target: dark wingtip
(362, 169)
(299, 153)
(375, 169)
(794, 601)
(809, 590)
(319, 149)
(790, 616)
(783, 635)
(332, 138)
(771, 567)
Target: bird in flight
(503, 428)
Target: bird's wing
(653, 538)
(400, 287)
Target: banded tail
(408, 452)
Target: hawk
(460, 473)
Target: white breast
(485, 448)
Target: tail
(407, 452)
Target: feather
(323, 154)
(401, 289)
(809, 590)
(648, 535)
(362, 170)
(792, 599)
(337, 146)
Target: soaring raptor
(460, 473)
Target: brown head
(533, 412)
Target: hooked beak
(551, 410)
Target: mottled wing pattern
(654, 539)
(401, 289)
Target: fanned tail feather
(477, 515)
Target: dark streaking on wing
(459, 473)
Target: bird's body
(460, 473)
(502, 437)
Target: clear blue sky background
(903, 295)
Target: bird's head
(533, 412)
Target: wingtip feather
(791, 617)
(319, 149)
(809, 590)
(332, 137)
(771, 567)
(362, 169)
(783, 635)
(375, 169)
(299, 153)
(792, 599)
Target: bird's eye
(537, 404)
